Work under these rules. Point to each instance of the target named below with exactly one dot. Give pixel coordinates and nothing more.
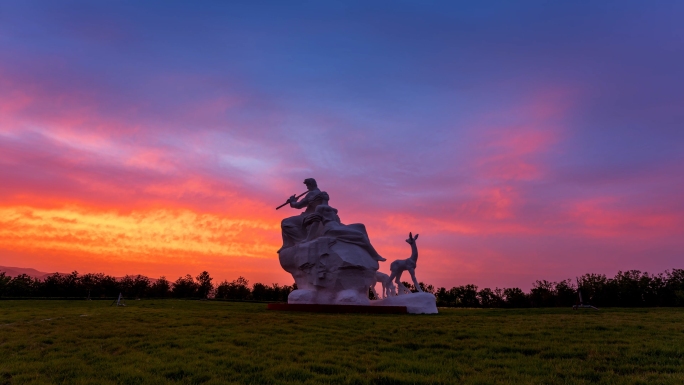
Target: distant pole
(581, 304)
(120, 301)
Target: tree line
(626, 289)
(95, 286)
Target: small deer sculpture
(400, 265)
(387, 285)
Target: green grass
(172, 341)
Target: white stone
(416, 303)
(302, 296)
(352, 297)
(328, 271)
(335, 264)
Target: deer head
(411, 239)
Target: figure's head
(310, 183)
(411, 239)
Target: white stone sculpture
(400, 265)
(335, 264)
(332, 263)
(387, 285)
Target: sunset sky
(522, 140)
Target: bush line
(627, 289)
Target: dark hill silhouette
(33, 273)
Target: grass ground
(168, 341)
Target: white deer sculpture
(400, 265)
(387, 285)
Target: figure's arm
(298, 205)
(308, 198)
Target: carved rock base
(328, 271)
(416, 303)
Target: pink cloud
(602, 217)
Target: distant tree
(184, 287)
(62, 285)
(515, 297)
(630, 287)
(98, 285)
(654, 288)
(89, 283)
(204, 286)
(490, 298)
(673, 293)
(597, 290)
(444, 297)
(259, 292)
(542, 294)
(23, 286)
(4, 283)
(71, 285)
(466, 296)
(237, 289)
(108, 286)
(52, 286)
(161, 288)
(126, 285)
(275, 292)
(566, 293)
(460, 296)
(280, 293)
(427, 288)
(140, 286)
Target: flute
(288, 201)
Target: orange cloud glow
(152, 235)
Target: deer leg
(397, 279)
(388, 288)
(392, 289)
(401, 289)
(415, 281)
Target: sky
(521, 140)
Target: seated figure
(294, 230)
(319, 220)
(331, 262)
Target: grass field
(167, 341)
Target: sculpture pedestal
(314, 308)
(416, 303)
